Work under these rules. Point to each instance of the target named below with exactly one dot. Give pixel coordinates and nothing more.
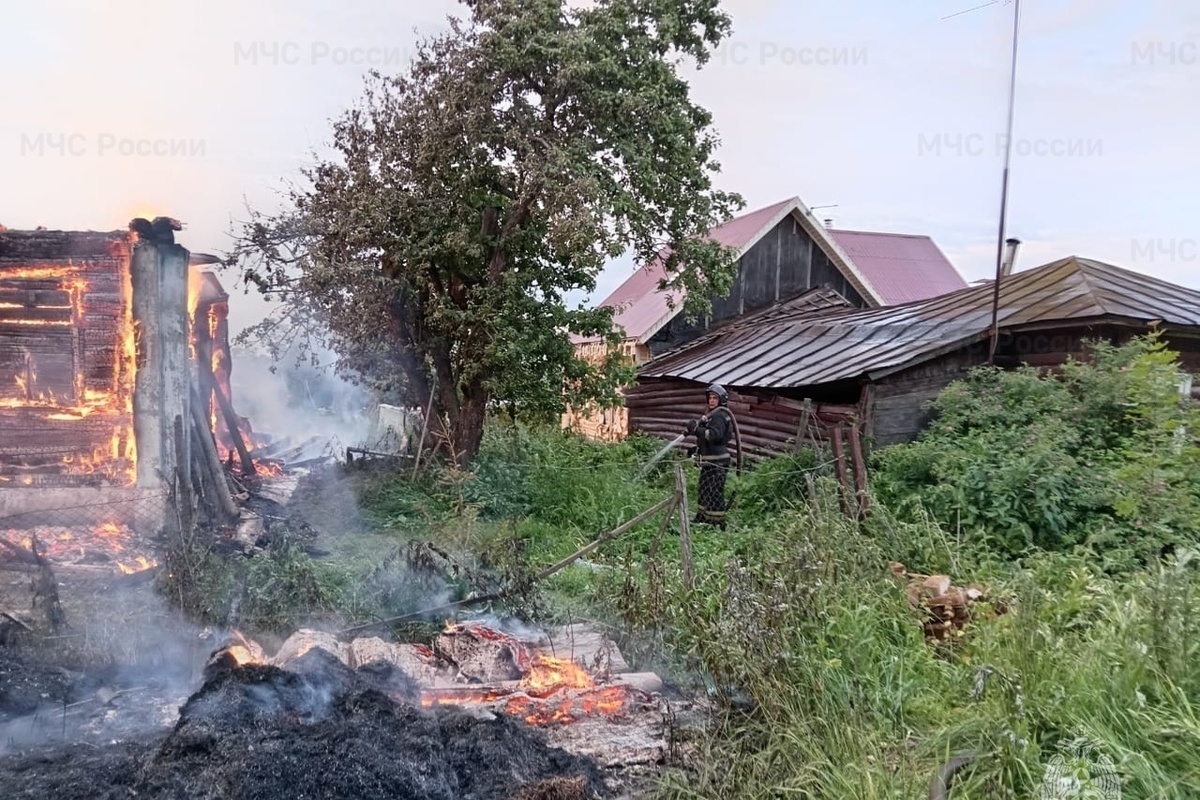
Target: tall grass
(829, 689)
(824, 684)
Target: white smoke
(299, 400)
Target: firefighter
(713, 432)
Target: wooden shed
(840, 373)
(783, 252)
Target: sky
(891, 112)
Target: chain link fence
(117, 529)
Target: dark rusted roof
(810, 347)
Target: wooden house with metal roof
(866, 374)
(783, 251)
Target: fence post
(685, 529)
(839, 466)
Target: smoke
(299, 401)
(122, 667)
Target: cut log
(304, 641)
(416, 661)
(481, 654)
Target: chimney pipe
(1010, 256)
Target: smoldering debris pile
(316, 729)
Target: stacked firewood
(945, 608)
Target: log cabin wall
(603, 423)
(63, 299)
(899, 413)
(767, 421)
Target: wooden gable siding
(782, 264)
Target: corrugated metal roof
(902, 267)
(816, 347)
(643, 309)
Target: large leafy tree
(522, 149)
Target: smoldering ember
(123, 456)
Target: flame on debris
(241, 655)
(606, 701)
(110, 542)
(549, 673)
(551, 690)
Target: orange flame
(118, 461)
(547, 673)
(112, 539)
(551, 690)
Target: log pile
(945, 609)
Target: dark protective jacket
(713, 435)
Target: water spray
(659, 455)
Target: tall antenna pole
(1008, 145)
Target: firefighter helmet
(719, 391)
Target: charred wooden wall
(49, 276)
(61, 305)
(781, 265)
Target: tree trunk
(464, 413)
(470, 427)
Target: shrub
(1102, 456)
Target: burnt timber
(61, 300)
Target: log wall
(768, 421)
(62, 297)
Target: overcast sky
(891, 110)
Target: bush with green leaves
(1102, 455)
(561, 478)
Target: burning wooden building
(97, 355)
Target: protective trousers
(711, 505)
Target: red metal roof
(902, 267)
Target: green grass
(825, 685)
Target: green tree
(522, 149)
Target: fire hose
(939, 787)
(737, 436)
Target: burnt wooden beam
(148, 389)
(209, 462)
(204, 353)
(175, 331)
(235, 435)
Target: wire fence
(117, 529)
